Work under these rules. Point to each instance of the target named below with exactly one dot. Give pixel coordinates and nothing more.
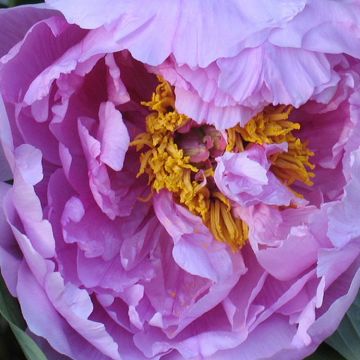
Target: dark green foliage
(10, 311)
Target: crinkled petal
(272, 73)
(331, 33)
(145, 24)
(75, 306)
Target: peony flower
(186, 175)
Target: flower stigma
(178, 155)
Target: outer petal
(232, 90)
(343, 217)
(153, 45)
(327, 323)
(10, 255)
(5, 171)
(275, 335)
(46, 40)
(51, 325)
(330, 33)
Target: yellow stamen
(235, 140)
(272, 126)
(224, 225)
(165, 164)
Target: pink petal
(113, 136)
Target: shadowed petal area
(14, 24)
(5, 170)
(48, 39)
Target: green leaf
(10, 311)
(346, 339)
(325, 352)
(28, 345)
(9, 308)
(23, 2)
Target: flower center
(179, 155)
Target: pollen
(190, 180)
